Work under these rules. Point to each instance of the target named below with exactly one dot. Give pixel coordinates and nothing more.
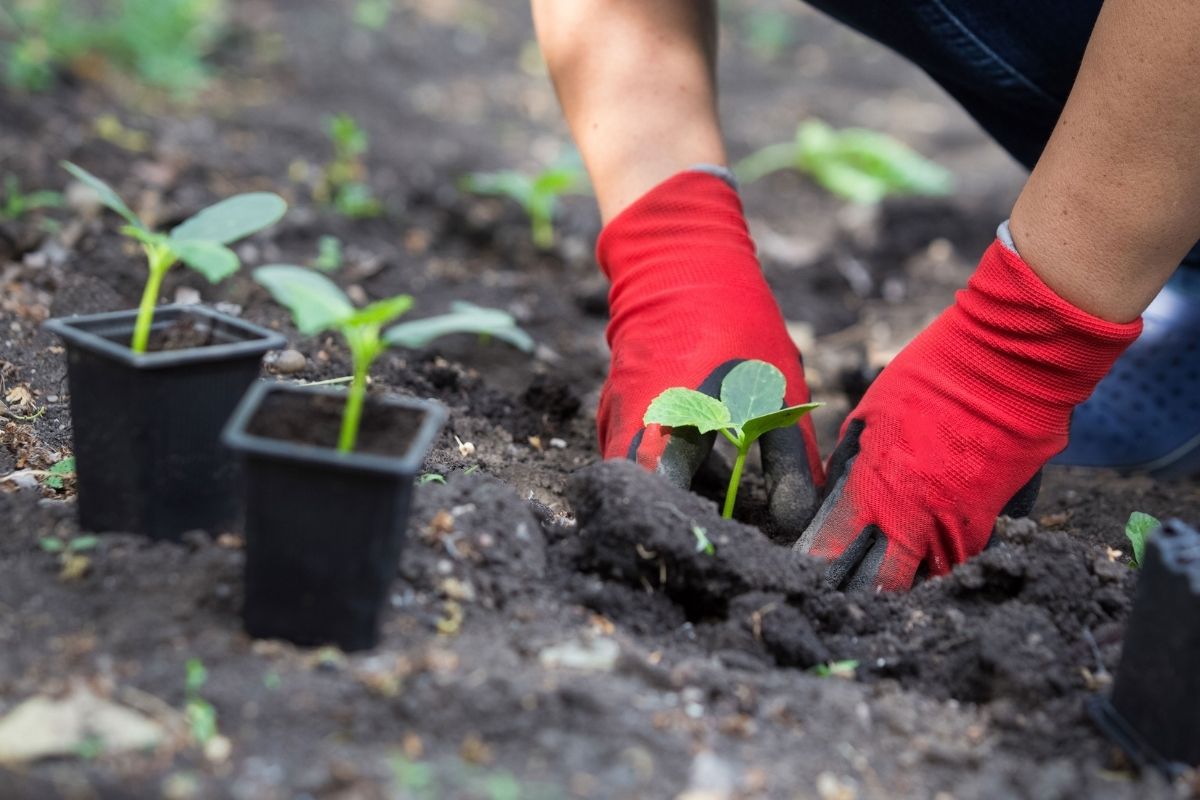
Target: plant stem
(735, 478)
(160, 262)
(352, 416)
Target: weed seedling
(703, 543)
(344, 180)
(17, 203)
(431, 477)
(1137, 530)
(538, 194)
(859, 165)
(199, 242)
(317, 305)
(58, 474)
(72, 563)
(751, 396)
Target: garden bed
(554, 630)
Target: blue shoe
(1145, 415)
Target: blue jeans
(1010, 63)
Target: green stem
(354, 407)
(160, 262)
(735, 478)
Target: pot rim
(75, 331)
(236, 437)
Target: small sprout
(17, 203)
(200, 714)
(317, 305)
(1138, 530)
(431, 477)
(343, 182)
(750, 406)
(471, 469)
(538, 194)
(836, 669)
(465, 449)
(703, 544)
(859, 165)
(199, 242)
(329, 254)
(58, 474)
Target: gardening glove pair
(688, 303)
(957, 426)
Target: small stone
(558, 444)
(290, 362)
(186, 296)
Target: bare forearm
(1114, 202)
(636, 82)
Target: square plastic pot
(1154, 710)
(146, 427)
(324, 530)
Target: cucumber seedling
(344, 180)
(18, 203)
(318, 305)
(199, 241)
(750, 405)
(856, 164)
(1138, 530)
(538, 194)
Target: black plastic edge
(70, 330)
(236, 438)
(1125, 736)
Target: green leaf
(771, 158)
(381, 312)
(195, 675)
(752, 389)
(557, 180)
(506, 183)
(703, 543)
(144, 236)
(233, 218)
(430, 477)
(57, 473)
(866, 166)
(212, 260)
(82, 543)
(680, 408)
(316, 303)
(836, 669)
(50, 544)
(105, 192)
(463, 318)
(752, 429)
(1137, 530)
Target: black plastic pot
(147, 426)
(1154, 710)
(324, 530)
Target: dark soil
(317, 420)
(554, 630)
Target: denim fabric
(1010, 63)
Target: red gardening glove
(688, 303)
(956, 426)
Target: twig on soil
(330, 381)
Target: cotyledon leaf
(233, 218)
(677, 408)
(316, 303)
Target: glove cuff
(1058, 352)
(688, 230)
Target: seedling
(17, 203)
(431, 477)
(372, 14)
(317, 305)
(72, 563)
(58, 474)
(201, 716)
(750, 405)
(344, 180)
(329, 254)
(703, 543)
(836, 669)
(199, 242)
(1137, 530)
(859, 165)
(538, 194)
(162, 42)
